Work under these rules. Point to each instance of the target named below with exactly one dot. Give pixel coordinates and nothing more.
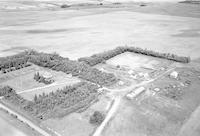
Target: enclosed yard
(23, 79)
(132, 68)
(136, 61)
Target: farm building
(174, 74)
(46, 75)
(136, 92)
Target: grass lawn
(22, 79)
(29, 95)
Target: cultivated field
(159, 27)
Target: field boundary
(102, 57)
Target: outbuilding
(174, 74)
(136, 92)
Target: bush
(97, 118)
(64, 6)
(5, 91)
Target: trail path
(108, 117)
(38, 88)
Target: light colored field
(100, 29)
(8, 130)
(73, 124)
(22, 79)
(135, 61)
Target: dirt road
(192, 126)
(117, 101)
(108, 117)
(38, 88)
(140, 84)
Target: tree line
(102, 57)
(58, 63)
(54, 104)
(13, 63)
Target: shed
(174, 74)
(121, 83)
(136, 92)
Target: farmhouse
(46, 75)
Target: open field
(73, 124)
(23, 79)
(103, 28)
(8, 130)
(20, 129)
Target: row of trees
(6, 90)
(97, 118)
(102, 57)
(14, 62)
(56, 104)
(82, 70)
(58, 63)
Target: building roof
(45, 74)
